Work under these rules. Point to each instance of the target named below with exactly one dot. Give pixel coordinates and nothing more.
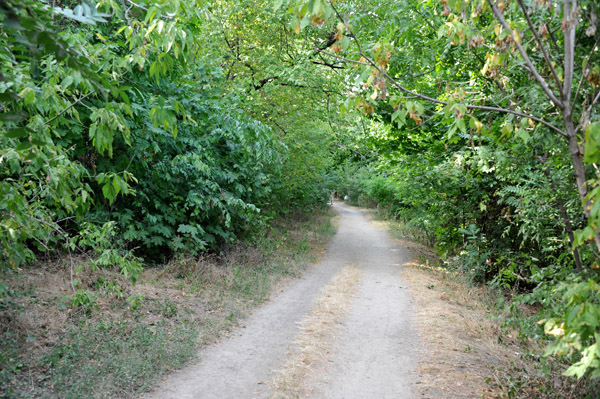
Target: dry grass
(467, 354)
(461, 351)
(311, 346)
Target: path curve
(374, 352)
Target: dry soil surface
(371, 351)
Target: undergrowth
(118, 345)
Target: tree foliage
(134, 113)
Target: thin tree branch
(554, 42)
(569, 23)
(587, 112)
(594, 102)
(327, 92)
(427, 21)
(69, 107)
(277, 124)
(499, 16)
(587, 64)
(261, 83)
(469, 106)
(541, 44)
(521, 114)
(482, 61)
(126, 12)
(339, 57)
(332, 66)
(137, 5)
(370, 62)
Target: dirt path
(370, 353)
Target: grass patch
(122, 342)
(108, 358)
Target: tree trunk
(566, 220)
(577, 159)
(579, 167)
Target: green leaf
(304, 22)
(507, 129)
(124, 97)
(345, 42)
(592, 143)
(420, 109)
(109, 192)
(18, 133)
(150, 29)
(13, 116)
(186, 228)
(278, 4)
(28, 95)
(523, 135)
(461, 125)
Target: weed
(165, 308)
(11, 362)
(83, 299)
(135, 301)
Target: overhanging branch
(500, 17)
(541, 44)
(384, 73)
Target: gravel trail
(373, 353)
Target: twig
(427, 21)
(69, 107)
(71, 262)
(277, 124)
(587, 64)
(137, 5)
(126, 13)
(500, 17)
(554, 42)
(539, 41)
(570, 22)
(587, 112)
(342, 58)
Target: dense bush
(114, 114)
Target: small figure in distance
(346, 198)
(331, 199)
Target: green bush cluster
(123, 116)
